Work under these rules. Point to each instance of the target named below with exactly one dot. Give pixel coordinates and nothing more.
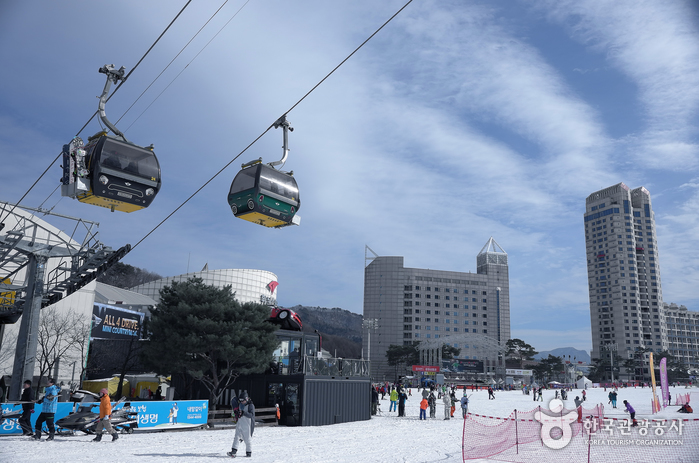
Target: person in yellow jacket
(105, 417)
(394, 400)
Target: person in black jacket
(374, 400)
(402, 397)
(27, 408)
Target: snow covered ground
(385, 438)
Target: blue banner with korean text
(161, 415)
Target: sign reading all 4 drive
(109, 322)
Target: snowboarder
(612, 396)
(491, 394)
(48, 411)
(245, 426)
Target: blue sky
(457, 122)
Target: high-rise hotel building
(408, 305)
(626, 297)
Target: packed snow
(385, 438)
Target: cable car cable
(270, 127)
(137, 64)
(176, 56)
(95, 113)
(183, 69)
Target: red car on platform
(286, 318)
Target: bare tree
(7, 351)
(58, 334)
(81, 345)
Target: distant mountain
(580, 355)
(341, 329)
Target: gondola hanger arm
(286, 127)
(112, 76)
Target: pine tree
(205, 332)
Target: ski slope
(385, 438)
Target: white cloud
(655, 44)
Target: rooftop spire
(492, 246)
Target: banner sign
(463, 365)
(519, 372)
(154, 414)
(656, 402)
(425, 368)
(664, 386)
(115, 323)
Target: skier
(613, 396)
(394, 398)
(452, 397)
(491, 394)
(433, 404)
(48, 411)
(578, 406)
(464, 404)
(374, 400)
(632, 412)
(245, 425)
(447, 405)
(402, 397)
(423, 409)
(105, 417)
(27, 408)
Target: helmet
(104, 391)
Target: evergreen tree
(205, 332)
(520, 350)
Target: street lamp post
(369, 324)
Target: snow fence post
(516, 433)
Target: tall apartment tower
(408, 305)
(623, 272)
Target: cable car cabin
(263, 195)
(110, 173)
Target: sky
(458, 121)
(386, 438)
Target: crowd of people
(398, 394)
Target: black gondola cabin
(110, 173)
